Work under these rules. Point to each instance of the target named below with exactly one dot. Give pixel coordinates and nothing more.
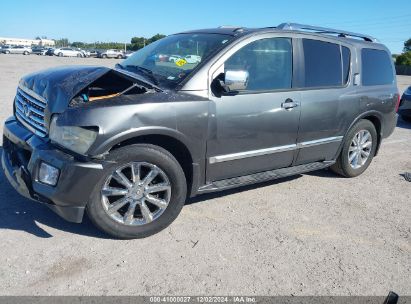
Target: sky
(119, 20)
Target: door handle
(289, 104)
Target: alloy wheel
(136, 193)
(360, 149)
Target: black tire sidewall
(144, 153)
(344, 161)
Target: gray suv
(130, 144)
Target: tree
(155, 38)
(62, 42)
(404, 59)
(78, 44)
(138, 43)
(407, 46)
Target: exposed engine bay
(111, 84)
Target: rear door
(329, 101)
(250, 131)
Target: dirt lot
(312, 234)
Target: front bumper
(22, 154)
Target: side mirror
(234, 80)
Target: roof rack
(324, 30)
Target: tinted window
(376, 67)
(322, 64)
(268, 62)
(346, 60)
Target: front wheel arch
(145, 154)
(176, 147)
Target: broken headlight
(76, 139)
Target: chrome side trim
(321, 141)
(240, 155)
(253, 153)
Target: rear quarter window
(376, 67)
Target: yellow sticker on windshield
(180, 62)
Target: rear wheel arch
(376, 119)
(377, 124)
(358, 148)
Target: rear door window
(323, 66)
(376, 67)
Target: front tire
(127, 204)
(358, 150)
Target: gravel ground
(311, 234)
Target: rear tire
(120, 57)
(346, 164)
(116, 223)
(60, 54)
(104, 56)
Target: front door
(254, 130)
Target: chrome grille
(30, 111)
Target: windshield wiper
(144, 71)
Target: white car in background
(16, 49)
(192, 58)
(174, 58)
(112, 53)
(68, 52)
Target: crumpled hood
(59, 85)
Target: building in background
(26, 42)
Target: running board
(263, 176)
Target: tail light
(397, 105)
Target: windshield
(168, 61)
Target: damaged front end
(114, 83)
(69, 86)
(50, 133)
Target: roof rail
(324, 30)
(235, 29)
